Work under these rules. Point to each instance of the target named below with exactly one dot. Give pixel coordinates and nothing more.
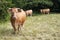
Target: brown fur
(17, 18)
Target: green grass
(40, 27)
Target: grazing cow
(45, 11)
(29, 12)
(17, 19)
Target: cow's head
(13, 10)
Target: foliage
(32, 4)
(3, 10)
(56, 6)
(27, 4)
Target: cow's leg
(18, 27)
(13, 25)
(22, 26)
(31, 14)
(43, 12)
(48, 12)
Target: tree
(3, 9)
(56, 5)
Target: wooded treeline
(35, 5)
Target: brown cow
(45, 11)
(29, 12)
(17, 18)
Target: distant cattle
(17, 19)
(45, 11)
(29, 12)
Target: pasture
(38, 27)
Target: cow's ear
(19, 10)
(10, 9)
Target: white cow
(45, 11)
(29, 12)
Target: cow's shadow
(6, 32)
(9, 32)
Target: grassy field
(40, 27)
